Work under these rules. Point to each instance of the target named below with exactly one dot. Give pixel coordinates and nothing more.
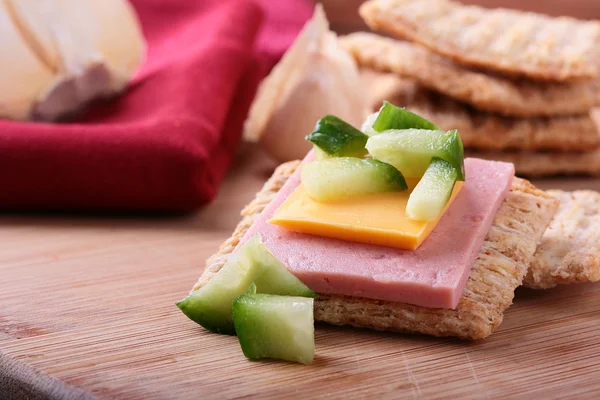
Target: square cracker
(508, 41)
(532, 164)
(570, 248)
(500, 267)
(484, 91)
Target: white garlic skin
(315, 77)
(78, 50)
(310, 100)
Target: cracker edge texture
(484, 91)
(502, 263)
(484, 29)
(481, 131)
(488, 132)
(570, 248)
(542, 164)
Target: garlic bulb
(314, 78)
(64, 54)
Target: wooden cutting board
(90, 301)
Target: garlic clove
(296, 117)
(309, 100)
(101, 45)
(314, 78)
(73, 25)
(93, 46)
(23, 76)
(68, 94)
(72, 87)
(349, 93)
(31, 17)
(123, 49)
(292, 62)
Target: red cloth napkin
(167, 142)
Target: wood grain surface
(90, 301)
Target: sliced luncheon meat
(433, 276)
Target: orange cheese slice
(375, 219)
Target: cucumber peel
(337, 138)
(411, 150)
(393, 117)
(432, 193)
(211, 305)
(271, 326)
(367, 126)
(343, 177)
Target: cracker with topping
(502, 263)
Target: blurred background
(166, 142)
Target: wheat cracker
(508, 41)
(570, 249)
(489, 132)
(543, 164)
(484, 91)
(500, 267)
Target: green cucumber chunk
(393, 117)
(411, 150)
(367, 126)
(338, 138)
(430, 196)
(251, 290)
(344, 177)
(271, 326)
(320, 154)
(210, 306)
(274, 277)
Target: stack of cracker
(520, 87)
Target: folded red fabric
(168, 141)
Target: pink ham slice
(432, 276)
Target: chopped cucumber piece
(274, 277)
(320, 154)
(430, 196)
(392, 117)
(343, 177)
(270, 326)
(337, 138)
(411, 150)
(251, 290)
(367, 126)
(210, 306)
